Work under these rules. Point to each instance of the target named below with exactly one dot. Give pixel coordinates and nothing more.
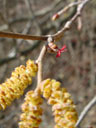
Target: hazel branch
(39, 62)
(68, 24)
(86, 110)
(22, 36)
(57, 36)
(57, 15)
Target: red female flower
(63, 49)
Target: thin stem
(57, 36)
(68, 24)
(86, 110)
(22, 36)
(68, 7)
(39, 62)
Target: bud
(55, 17)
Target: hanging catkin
(62, 105)
(31, 116)
(14, 87)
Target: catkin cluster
(30, 118)
(62, 105)
(14, 87)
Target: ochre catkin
(31, 116)
(14, 87)
(62, 105)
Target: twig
(68, 24)
(10, 35)
(68, 7)
(39, 62)
(22, 36)
(86, 110)
(56, 36)
(37, 43)
(57, 15)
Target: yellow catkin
(31, 116)
(14, 87)
(62, 105)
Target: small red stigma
(63, 49)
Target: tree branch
(39, 62)
(22, 36)
(68, 24)
(56, 36)
(86, 110)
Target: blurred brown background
(75, 69)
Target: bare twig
(29, 37)
(37, 43)
(68, 7)
(39, 62)
(56, 36)
(68, 24)
(22, 36)
(57, 15)
(86, 110)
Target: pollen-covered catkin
(31, 116)
(62, 105)
(14, 87)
